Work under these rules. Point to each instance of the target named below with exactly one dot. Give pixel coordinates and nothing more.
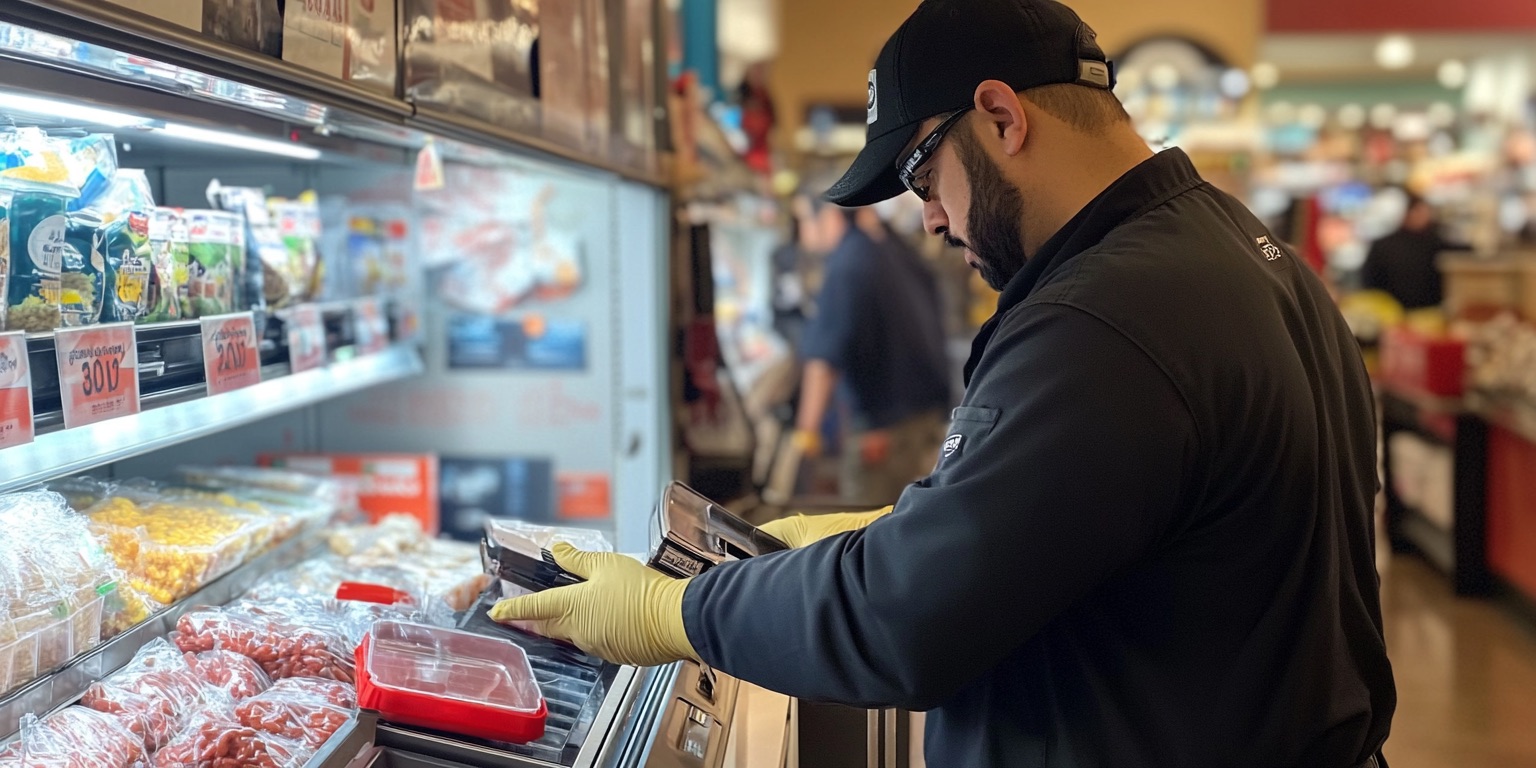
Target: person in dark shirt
(1404, 263)
(1148, 540)
(878, 339)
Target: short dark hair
(1090, 110)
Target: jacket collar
(1150, 184)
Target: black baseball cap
(937, 57)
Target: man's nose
(935, 221)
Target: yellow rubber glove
(624, 612)
(800, 530)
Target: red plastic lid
(450, 680)
(371, 593)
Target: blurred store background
(512, 264)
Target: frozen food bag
(170, 250)
(37, 233)
(92, 165)
(212, 266)
(124, 243)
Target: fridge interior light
(54, 108)
(238, 141)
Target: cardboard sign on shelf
(98, 372)
(231, 352)
(306, 338)
(179, 12)
(347, 39)
(388, 483)
(15, 391)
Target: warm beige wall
(827, 46)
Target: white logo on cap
(873, 106)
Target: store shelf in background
(75, 450)
(52, 691)
(121, 29)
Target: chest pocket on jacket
(968, 426)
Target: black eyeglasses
(907, 171)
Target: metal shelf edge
(96, 22)
(69, 683)
(475, 131)
(69, 451)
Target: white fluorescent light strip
(237, 141)
(69, 111)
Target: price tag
(15, 391)
(98, 372)
(371, 328)
(306, 338)
(231, 352)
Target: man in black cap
(1148, 540)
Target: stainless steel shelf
(75, 450)
(115, 27)
(63, 687)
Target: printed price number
(101, 376)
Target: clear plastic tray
(462, 683)
(449, 664)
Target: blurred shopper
(1404, 262)
(878, 337)
(1149, 539)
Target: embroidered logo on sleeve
(1269, 249)
(952, 445)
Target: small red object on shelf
(1434, 365)
(448, 680)
(372, 593)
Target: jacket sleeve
(1073, 450)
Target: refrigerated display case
(355, 354)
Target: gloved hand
(624, 612)
(800, 530)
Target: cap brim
(872, 177)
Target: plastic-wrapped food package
(304, 709)
(263, 282)
(92, 164)
(237, 675)
(153, 694)
(218, 740)
(530, 538)
(216, 267)
(443, 570)
(74, 737)
(124, 245)
(322, 577)
(287, 638)
(170, 250)
(54, 579)
(170, 547)
(34, 246)
(298, 223)
(337, 496)
(391, 537)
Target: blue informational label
(529, 343)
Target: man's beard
(994, 227)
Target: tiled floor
(1466, 675)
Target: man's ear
(1002, 116)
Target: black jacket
(1148, 541)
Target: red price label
(306, 338)
(231, 352)
(98, 373)
(15, 391)
(370, 328)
